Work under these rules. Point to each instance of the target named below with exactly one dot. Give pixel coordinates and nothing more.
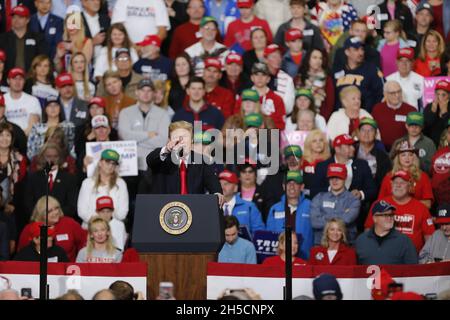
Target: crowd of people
(370, 183)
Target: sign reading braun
(175, 218)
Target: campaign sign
(428, 88)
(128, 156)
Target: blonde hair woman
(346, 119)
(68, 233)
(432, 47)
(74, 40)
(406, 159)
(280, 258)
(79, 68)
(99, 248)
(334, 249)
(104, 182)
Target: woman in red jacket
(68, 233)
(334, 249)
(280, 258)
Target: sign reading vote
(428, 88)
(126, 149)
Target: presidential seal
(175, 218)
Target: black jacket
(402, 13)
(384, 164)
(20, 139)
(29, 253)
(362, 179)
(166, 177)
(64, 190)
(104, 21)
(35, 44)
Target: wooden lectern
(177, 235)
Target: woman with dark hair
(40, 81)
(182, 72)
(259, 41)
(13, 167)
(116, 38)
(313, 74)
(52, 117)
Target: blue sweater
(248, 214)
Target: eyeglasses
(385, 215)
(394, 92)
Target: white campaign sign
(126, 149)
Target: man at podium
(174, 168)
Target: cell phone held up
(26, 292)
(166, 291)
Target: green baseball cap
(302, 92)
(251, 95)
(206, 20)
(110, 154)
(253, 120)
(294, 175)
(369, 121)
(293, 150)
(415, 118)
(203, 137)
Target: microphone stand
(288, 246)
(43, 258)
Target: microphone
(48, 166)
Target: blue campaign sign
(244, 233)
(266, 244)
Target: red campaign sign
(405, 223)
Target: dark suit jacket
(165, 176)
(362, 179)
(384, 164)
(35, 44)
(65, 190)
(79, 112)
(53, 31)
(103, 20)
(401, 13)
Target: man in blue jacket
(299, 207)
(336, 203)
(224, 12)
(245, 211)
(46, 23)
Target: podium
(177, 235)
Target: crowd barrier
(87, 278)
(355, 281)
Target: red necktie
(8, 14)
(50, 181)
(183, 180)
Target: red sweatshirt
(222, 99)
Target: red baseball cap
(338, 170)
(20, 10)
(406, 53)
(64, 79)
(35, 230)
(383, 291)
(104, 202)
(100, 101)
(271, 49)
(293, 34)
(2, 100)
(14, 72)
(343, 139)
(150, 39)
(402, 174)
(244, 3)
(229, 176)
(213, 62)
(443, 85)
(2, 55)
(234, 57)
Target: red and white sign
(355, 281)
(428, 89)
(86, 278)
